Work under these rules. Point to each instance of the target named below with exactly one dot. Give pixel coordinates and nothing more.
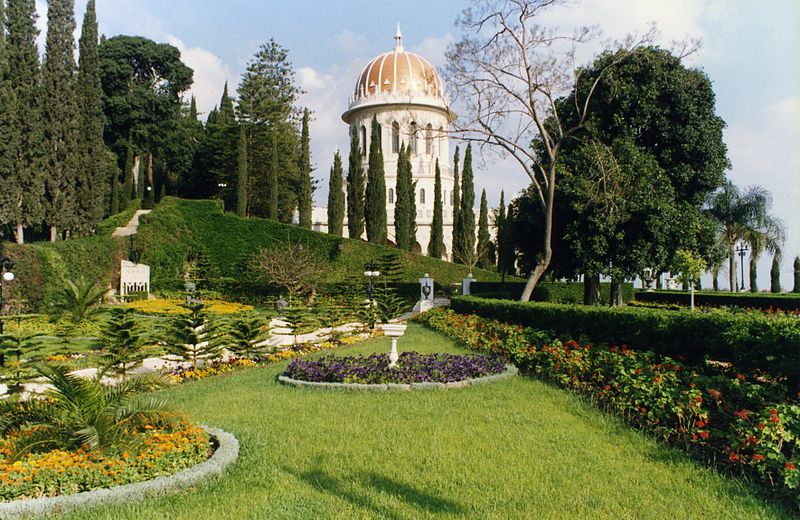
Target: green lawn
(514, 449)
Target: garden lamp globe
(8, 276)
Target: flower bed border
(510, 371)
(226, 454)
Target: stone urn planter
(394, 331)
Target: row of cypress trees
(53, 162)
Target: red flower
(761, 426)
(751, 439)
(774, 419)
(638, 371)
(773, 411)
(607, 388)
(704, 434)
(714, 393)
(740, 377)
(691, 385)
(733, 457)
(699, 399)
(758, 457)
(742, 414)
(789, 466)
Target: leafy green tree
(466, 213)
(375, 195)
(17, 346)
(306, 186)
(336, 197)
(484, 241)
(96, 180)
(248, 337)
(194, 336)
(436, 247)
(744, 216)
(456, 204)
(122, 340)
(266, 106)
(79, 300)
(775, 274)
(355, 188)
(241, 173)
(81, 412)
(405, 209)
(25, 187)
(690, 266)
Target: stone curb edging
(510, 371)
(226, 453)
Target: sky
(750, 51)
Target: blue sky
(750, 53)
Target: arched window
(452, 198)
(412, 141)
(390, 197)
(395, 137)
(429, 140)
(422, 196)
(363, 140)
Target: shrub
(554, 292)
(764, 301)
(749, 341)
(736, 421)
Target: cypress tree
(61, 119)
(504, 243)
(7, 130)
(304, 194)
(241, 172)
(375, 197)
(753, 275)
(484, 243)
(336, 197)
(466, 213)
(225, 116)
(272, 182)
(405, 205)
(796, 287)
(775, 275)
(355, 188)
(456, 202)
(436, 245)
(91, 197)
(26, 186)
(193, 109)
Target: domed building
(406, 95)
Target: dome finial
(398, 39)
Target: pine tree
(272, 182)
(336, 197)
(436, 245)
(241, 172)
(355, 188)
(93, 182)
(121, 337)
(193, 336)
(775, 274)
(466, 213)
(375, 197)
(796, 286)
(405, 209)
(304, 195)
(26, 186)
(484, 241)
(456, 203)
(247, 337)
(61, 119)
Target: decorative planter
(394, 331)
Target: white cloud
(351, 42)
(210, 74)
(433, 49)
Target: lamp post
(742, 251)
(371, 272)
(6, 275)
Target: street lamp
(742, 251)
(6, 265)
(371, 271)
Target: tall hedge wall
(749, 341)
(765, 301)
(554, 292)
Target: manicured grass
(514, 449)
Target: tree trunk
(715, 277)
(616, 292)
(658, 281)
(544, 260)
(732, 268)
(591, 289)
(53, 233)
(20, 234)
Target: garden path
(132, 225)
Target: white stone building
(406, 95)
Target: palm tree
(77, 412)
(79, 300)
(744, 216)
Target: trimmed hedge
(764, 301)
(554, 292)
(748, 341)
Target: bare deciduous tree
(507, 75)
(291, 266)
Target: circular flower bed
(412, 367)
(161, 451)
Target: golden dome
(400, 73)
